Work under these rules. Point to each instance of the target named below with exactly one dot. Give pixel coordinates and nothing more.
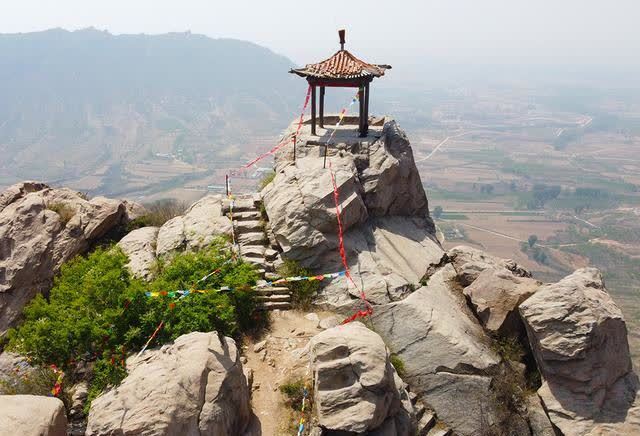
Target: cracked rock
(356, 387)
(197, 387)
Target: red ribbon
(343, 254)
(284, 141)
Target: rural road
(444, 141)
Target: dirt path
(280, 361)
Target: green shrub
(302, 292)
(293, 392)
(398, 364)
(65, 211)
(98, 312)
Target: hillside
(201, 324)
(130, 114)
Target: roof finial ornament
(341, 33)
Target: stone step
(425, 423)
(281, 305)
(248, 226)
(270, 254)
(439, 432)
(258, 261)
(240, 205)
(247, 216)
(273, 290)
(253, 238)
(253, 250)
(274, 298)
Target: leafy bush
(98, 312)
(65, 211)
(301, 292)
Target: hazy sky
(538, 31)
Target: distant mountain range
(85, 105)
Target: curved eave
(303, 72)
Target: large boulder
(389, 236)
(194, 386)
(445, 352)
(140, 247)
(32, 415)
(40, 229)
(356, 387)
(470, 262)
(579, 339)
(390, 257)
(495, 296)
(196, 228)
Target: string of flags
(184, 292)
(341, 116)
(57, 387)
(305, 394)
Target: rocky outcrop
(579, 339)
(203, 392)
(32, 415)
(470, 262)
(445, 352)
(496, 295)
(195, 229)
(140, 247)
(40, 229)
(389, 236)
(357, 390)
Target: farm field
(501, 169)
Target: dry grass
(64, 211)
(158, 213)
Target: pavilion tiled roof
(342, 65)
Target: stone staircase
(254, 247)
(426, 418)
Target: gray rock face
(496, 295)
(140, 247)
(579, 339)
(194, 386)
(356, 387)
(444, 351)
(389, 236)
(196, 229)
(41, 228)
(32, 415)
(470, 262)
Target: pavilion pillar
(361, 127)
(366, 109)
(313, 110)
(321, 115)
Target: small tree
(532, 240)
(437, 212)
